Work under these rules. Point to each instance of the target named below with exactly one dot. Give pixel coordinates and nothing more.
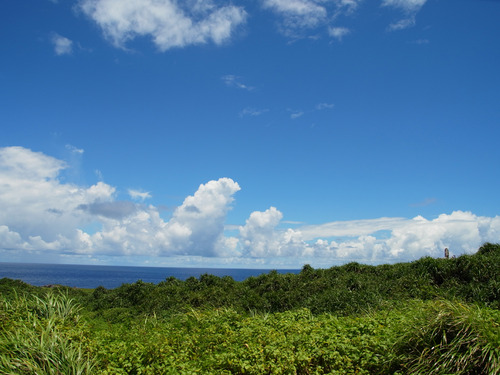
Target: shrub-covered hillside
(431, 316)
(343, 290)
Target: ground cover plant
(431, 316)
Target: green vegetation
(431, 316)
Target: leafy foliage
(431, 316)
(341, 290)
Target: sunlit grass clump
(37, 336)
(449, 337)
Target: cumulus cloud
(359, 240)
(261, 237)
(169, 23)
(197, 225)
(39, 212)
(62, 45)
(34, 203)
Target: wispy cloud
(410, 8)
(140, 195)
(169, 23)
(338, 32)
(252, 112)
(402, 24)
(421, 41)
(297, 14)
(425, 202)
(74, 149)
(296, 114)
(322, 106)
(98, 174)
(62, 45)
(407, 6)
(235, 81)
(353, 228)
(298, 18)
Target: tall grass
(36, 336)
(449, 337)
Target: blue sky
(265, 133)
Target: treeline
(342, 290)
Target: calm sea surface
(112, 276)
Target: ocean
(89, 276)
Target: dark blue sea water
(110, 277)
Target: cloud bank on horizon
(41, 214)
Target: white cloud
(402, 24)
(62, 45)
(40, 213)
(258, 236)
(235, 81)
(197, 225)
(403, 240)
(351, 5)
(34, 203)
(296, 115)
(140, 195)
(195, 229)
(252, 112)
(300, 16)
(169, 23)
(338, 32)
(297, 13)
(322, 106)
(352, 228)
(409, 7)
(74, 149)
(421, 41)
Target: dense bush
(431, 316)
(342, 290)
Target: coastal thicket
(430, 316)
